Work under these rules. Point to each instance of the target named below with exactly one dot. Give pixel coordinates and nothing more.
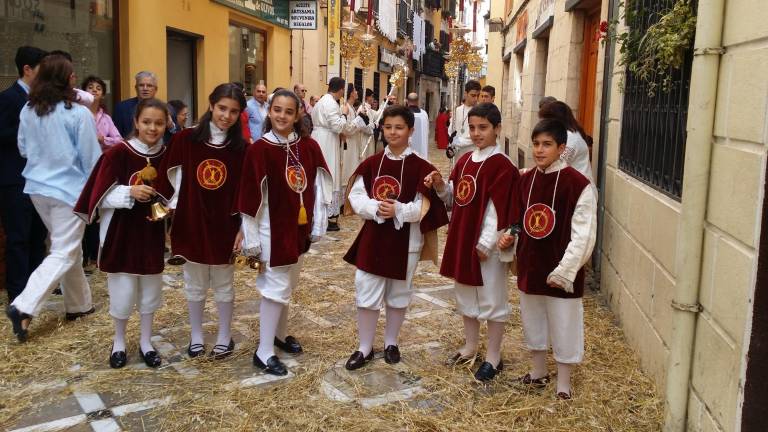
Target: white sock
(269, 315)
(564, 377)
(225, 322)
(196, 321)
(366, 328)
(395, 318)
(119, 342)
(471, 336)
(495, 335)
(145, 341)
(282, 324)
(539, 364)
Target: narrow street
(60, 379)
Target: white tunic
(354, 148)
(576, 155)
(420, 137)
(460, 124)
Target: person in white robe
(420, 137)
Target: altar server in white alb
(459, 126)
(284, 193)
(329, 122)
(420, 137)
(355, 140)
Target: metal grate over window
(653, 128)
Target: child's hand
(142, 193)
(238, 242)
(482, 255)
(387, 208)
(506, 241)
(557, 281)
(434, 179)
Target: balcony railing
(432, 64)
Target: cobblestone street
(60, 379)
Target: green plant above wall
(654, 54)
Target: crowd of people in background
(92, 184)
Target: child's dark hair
(487, 111)
(177, 105)
(51, 85)
(491, 90)
(472, 85)
(336, 84)
(298, 125)
(28, 56)
(561, 111)
(553, 127)
(94, 79)
(145, 104)
(398, 111)
(202, 133)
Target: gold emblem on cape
(386, 187)
(211, 174)
(296, 178)
(465, 190)
(539, 221)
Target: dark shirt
(12, 100)
(123, 116)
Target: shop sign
(387, 59)
(274, 11)
(334, 39)
(303, 15)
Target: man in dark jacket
(24, 231)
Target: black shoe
(486, 371)
(274, 366)
(392, 354)
(118, 359)
(57, 291)
(17, 317)
(357, 360)
(459, 359)
(195, 350)
(333, 226)
(223, 351)
(151, 358)
(176, 260)
(291, 345)
(534, 382)
(564, 396)
(75, 315)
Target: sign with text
(334, 39)
(274, 11)
(303, 15)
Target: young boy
(554, 207)
(401, 218)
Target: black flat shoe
(274, 366)
(17, 318)
(534, 382)
(392, 354)
(118, 359)
(487, 372)
(223, 351)
(75, 315)
(564, 396)
(333, 226)
(151, 358)
(459, 359)
(357, 360)
(176, 260)
(291, 345)
(195, 350)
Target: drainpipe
(698, 151)
(602, 146)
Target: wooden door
(586, 114)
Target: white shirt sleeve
(362, 204)
(446, 195)
(583, 234)
(83, 97)
(489, 233)
(408, 212)
(320, 210)
(175, 177)
(118, 197)
(251, 241)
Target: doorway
(586, 112)
(181, 57)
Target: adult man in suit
(146, 87)
(24, 230)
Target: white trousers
(145, 292)
(199, 277)
(489, 302)
(373, 291)
(556, 320)
(63, 264)
(277, 283)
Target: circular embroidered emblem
(211, 174)
(386, 187)
(135, 179)
(465, 190)
(296, 178)
(539, 221)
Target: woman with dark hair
(200, 175)
(106, 132)
(58, 139)
(576, 152)
(182, 113)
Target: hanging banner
(303, 15)
(334, 39)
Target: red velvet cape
(204, 226)
(133, 244)
(265, 162)
(494, 182)
(536, 258)
(381, 249)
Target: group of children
(270, 200)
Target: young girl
(401, 218)
(107, 133)
(479, 189)
(284, 193)
(577, 151)
(120, 188)
(202, 172)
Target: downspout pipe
(602, 156)
(698, 153)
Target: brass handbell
(158, 212)
(240, 261)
